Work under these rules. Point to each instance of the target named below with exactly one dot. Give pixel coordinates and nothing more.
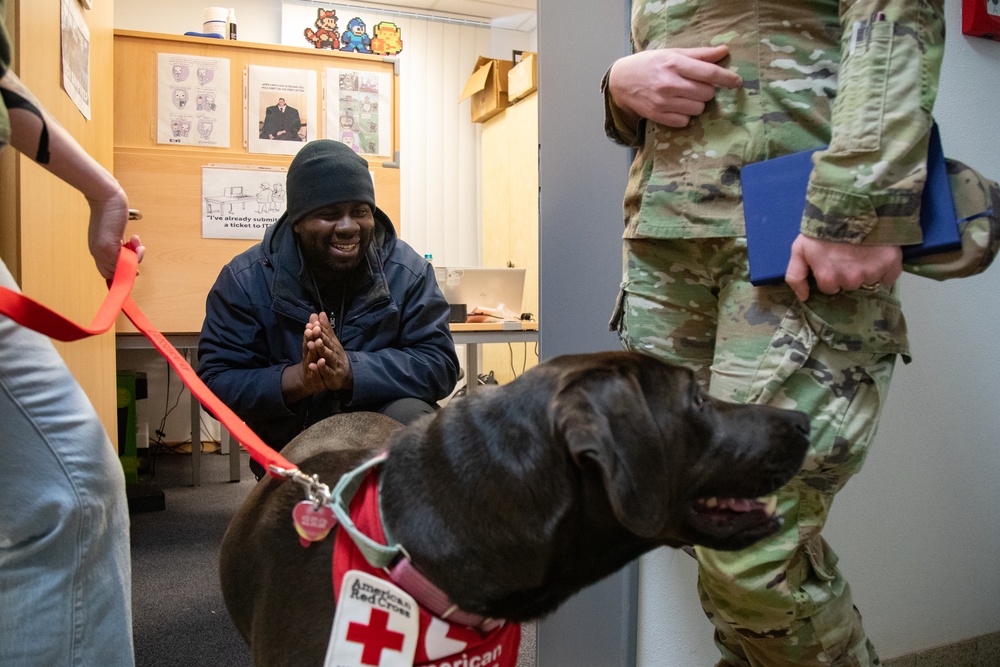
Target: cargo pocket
(836, 625)
(788, 350)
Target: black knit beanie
(326, 172)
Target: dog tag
(312, 524)
(376, 624)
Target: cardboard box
(488, 88)
(522, 80)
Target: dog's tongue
(738, 504)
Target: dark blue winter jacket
(390, 317)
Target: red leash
(33, 315)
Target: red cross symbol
(376, 637)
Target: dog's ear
(603, 417)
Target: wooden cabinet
(510, 217)
(164, 181)
(43, 220)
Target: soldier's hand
(840, 267)
(670, 86)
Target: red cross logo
(375, 637)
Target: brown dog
(514, 498)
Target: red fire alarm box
(981, 18)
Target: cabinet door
(49, 256)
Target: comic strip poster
(359, 110)
(74, 41)
(240, 202)
(281, 109)
(192, 103)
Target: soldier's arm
(866, 188)
(666, 86)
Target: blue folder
(774, 197)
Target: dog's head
(678, 467)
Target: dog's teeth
(711, 502)
(772, 505)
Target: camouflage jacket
(859, 75)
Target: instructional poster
(359, 110)
(241, 202)
(75, 46)
(192, 101)
(281, 109)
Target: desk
(473, 334)
(469, 334)
(223, 202)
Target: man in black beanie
(330, 313)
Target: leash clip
(317, 492)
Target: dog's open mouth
(731, 523)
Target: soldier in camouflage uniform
(713, 85)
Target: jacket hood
(292, 284)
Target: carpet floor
(178, 614)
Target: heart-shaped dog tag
(312, 523)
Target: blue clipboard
(774, 197)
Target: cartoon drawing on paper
(230, 195)
(205, 127)
(277, 197)
(264, 198)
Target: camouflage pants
(782, 601)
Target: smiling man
(330, 313)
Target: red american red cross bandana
(440, 643)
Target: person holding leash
(713, 86)
(65, 568)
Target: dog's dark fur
(514, 498)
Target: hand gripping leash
(31, 314)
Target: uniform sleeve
(615, 126)
(866, 187)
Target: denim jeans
(65, 569)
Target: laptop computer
(493, 291)
(774, 196)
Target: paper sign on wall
(359, 110)
(281, 109)
(192, 101)
(241, 203)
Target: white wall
(439, 145)
(918, 531)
